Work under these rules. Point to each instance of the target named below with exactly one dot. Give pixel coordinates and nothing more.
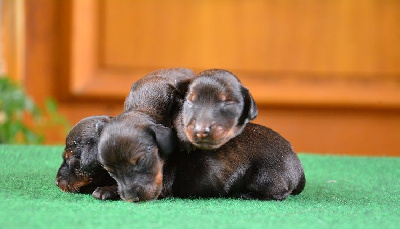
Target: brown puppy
(80, 170)
(216, 108)
(153, 100)
(132, 149)
(257, 164)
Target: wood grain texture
(325, 74)
(286, 52)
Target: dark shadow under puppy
(80, 170)
(216, 109)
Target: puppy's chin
(77, 186)
(147, 194)
(209, 145)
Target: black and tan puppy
(80, 170)
(216, 109)
(132, 149)
(257, 164)
(149, 110)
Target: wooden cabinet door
(313, 67)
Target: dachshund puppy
(257, 164)
(80, 170)
(132, 149)
(216, 109)
(149, 109)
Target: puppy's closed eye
(136, 160)
(229, 103)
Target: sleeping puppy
(216, 109)
(150, 107)
(80, 170)
(257, 164)
(132, 149)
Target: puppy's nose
(201, 131)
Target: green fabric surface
(341, 192)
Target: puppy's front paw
(106, 193)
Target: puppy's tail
(300, 185)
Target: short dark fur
(257, 164)
(159, 93)
(80, 170)
(149, 109)
(132, 149)
(216, 108)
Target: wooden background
(324, 74)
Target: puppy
(132, 149)
(216, 109)
(257, 164)
(150, 107)
(80, 170)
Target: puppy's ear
(89, 156)
(250, 110)
(165, 138)
(182, 86)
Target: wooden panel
(346, 36)
(336, 131)
(328, 53)
(325, 74)
(11, 35)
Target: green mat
(341, 192)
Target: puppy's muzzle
(201, 131)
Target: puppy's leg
(266, 184)
(300, 186)
(106, 193)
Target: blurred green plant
(15, 105)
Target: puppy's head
(133, 154)
(216, 109)
(80, 170)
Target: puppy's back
(159, 93)
(274, 154)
